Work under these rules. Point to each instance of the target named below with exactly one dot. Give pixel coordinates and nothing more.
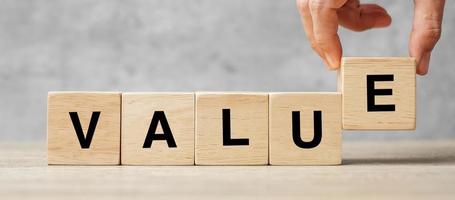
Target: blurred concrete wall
(177, 45)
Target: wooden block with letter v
(305, 128)
(231, 129)
(158, 129)
(84, 128)
(379, 93)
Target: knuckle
(432, 17)
(433, 33)
(322, 42)
(317, 5)
(314, 45)
(302, 5)
(431, 26)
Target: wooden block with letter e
(84, 128)
(158, 128)
(305, 128)
(378, 93)
(231, 129)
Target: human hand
(322, 17)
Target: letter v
(87, 140)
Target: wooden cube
(84, 128)
(305, 128)
(231, 129)
(158, 129)
(378, 93)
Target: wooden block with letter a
(305, 128)
(158, 129)
(378, 93)
(231, 129)
(84, 128)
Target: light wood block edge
(393, 60)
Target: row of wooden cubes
(215, 128)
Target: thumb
(363, 17)
(426, 31)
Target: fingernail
(423, 64)
(325, 62)
(332, 63)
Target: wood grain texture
(283, 150)
(249, 119)
(137, 112)
(379, 169)
(63, 144)
(353, 87)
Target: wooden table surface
(370, 170)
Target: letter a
(159, 116)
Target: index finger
(325, 28)
(304, 10)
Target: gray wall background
(177, 45)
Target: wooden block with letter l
(305, 128)
(379, 93)
(158, 129)
(84, 128)
(231, 129)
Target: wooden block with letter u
(158, 129)
(84, 128)
(231, 129)
(379, 93)
(305, 128)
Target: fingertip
(422, 69)
(422, 72)
(423, 64)
(333, 68)
(332, 63)
(328, 65)
(386, 21)
(382, 19)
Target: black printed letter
(159, 116)
(317, 118)
(84, 141)
(227, 140)
(372, 92)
